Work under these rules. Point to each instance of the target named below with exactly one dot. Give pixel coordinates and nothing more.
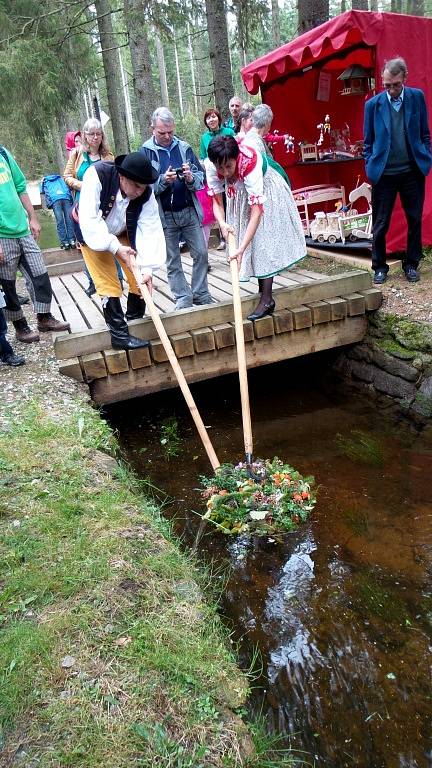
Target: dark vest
(399, 159)
(109, 178)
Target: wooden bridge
(313, 312)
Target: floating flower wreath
(271, 497)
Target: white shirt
(101, 234)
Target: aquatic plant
(276, 498)
(170, 438)
(362, 447)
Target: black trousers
(411, 189)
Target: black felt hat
(137, 167)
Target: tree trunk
(192, 69)
(416, 7)
(179, 85)
(275, 18)
(112, 75)
(137, 26)
(311, 13)
(373, 5)
(343, 6)
(396, 6)
(219, 53)
(360, 5)
(162, 71)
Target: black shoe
(268, 309)
(13, 359)
(23, 299)
(129, 342)
(90, 290)
(412, 275)
(380, 276)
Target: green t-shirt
(209, 135)
(13, 217)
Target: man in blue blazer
(397, 152)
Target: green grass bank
(112, 650)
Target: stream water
(341, 610)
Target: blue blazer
(377, 132)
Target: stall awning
(335, 36)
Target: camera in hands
(179, 173)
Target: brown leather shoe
(26, 335)
(47, 322)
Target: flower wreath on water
(276, 498)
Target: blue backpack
(55, 188)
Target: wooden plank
(71, 368)
(263, 327)
(302, 317)
(183, 344)
(283, 321)
(373, 298)
(140, 358)
(338, 308)
(203, 340)
(116, 360)
(60, 255)
(248, 330)
(214, 314)
(356, 304)
(94, 366)
(66, 267)
(224, 335)
(158, 352)
(68, 307)
(211, 364)
(92, 310)
(321, 312)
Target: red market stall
(301, 82)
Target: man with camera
(180, 176)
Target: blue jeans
(62, 209)
(5, 347)
(185, 225)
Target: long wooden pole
(154, 314)
(241, 354)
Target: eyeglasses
(390, 86)
(95, 133)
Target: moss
(410, 335)
(380, 601)
(357, 520)
(422, 405)
(392, 347)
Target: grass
(90, 571)
(113, 653)
(361, 447)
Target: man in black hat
(119, 216)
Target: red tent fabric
(289, 76)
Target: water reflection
(341, 610)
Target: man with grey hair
(235, 105)
(180, 176)
(397, 152)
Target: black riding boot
(117, 326)
(135, 308)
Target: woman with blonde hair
(94, 147)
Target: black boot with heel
(117, 326)
(135, 308)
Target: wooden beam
(94, 366)
(71, 368)
(212, 364)
(215, 314)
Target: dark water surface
(341, 610)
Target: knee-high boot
(117, 326)
(135, 308)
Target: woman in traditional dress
(261, 212)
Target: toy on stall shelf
(346, 223)
(324, 128)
